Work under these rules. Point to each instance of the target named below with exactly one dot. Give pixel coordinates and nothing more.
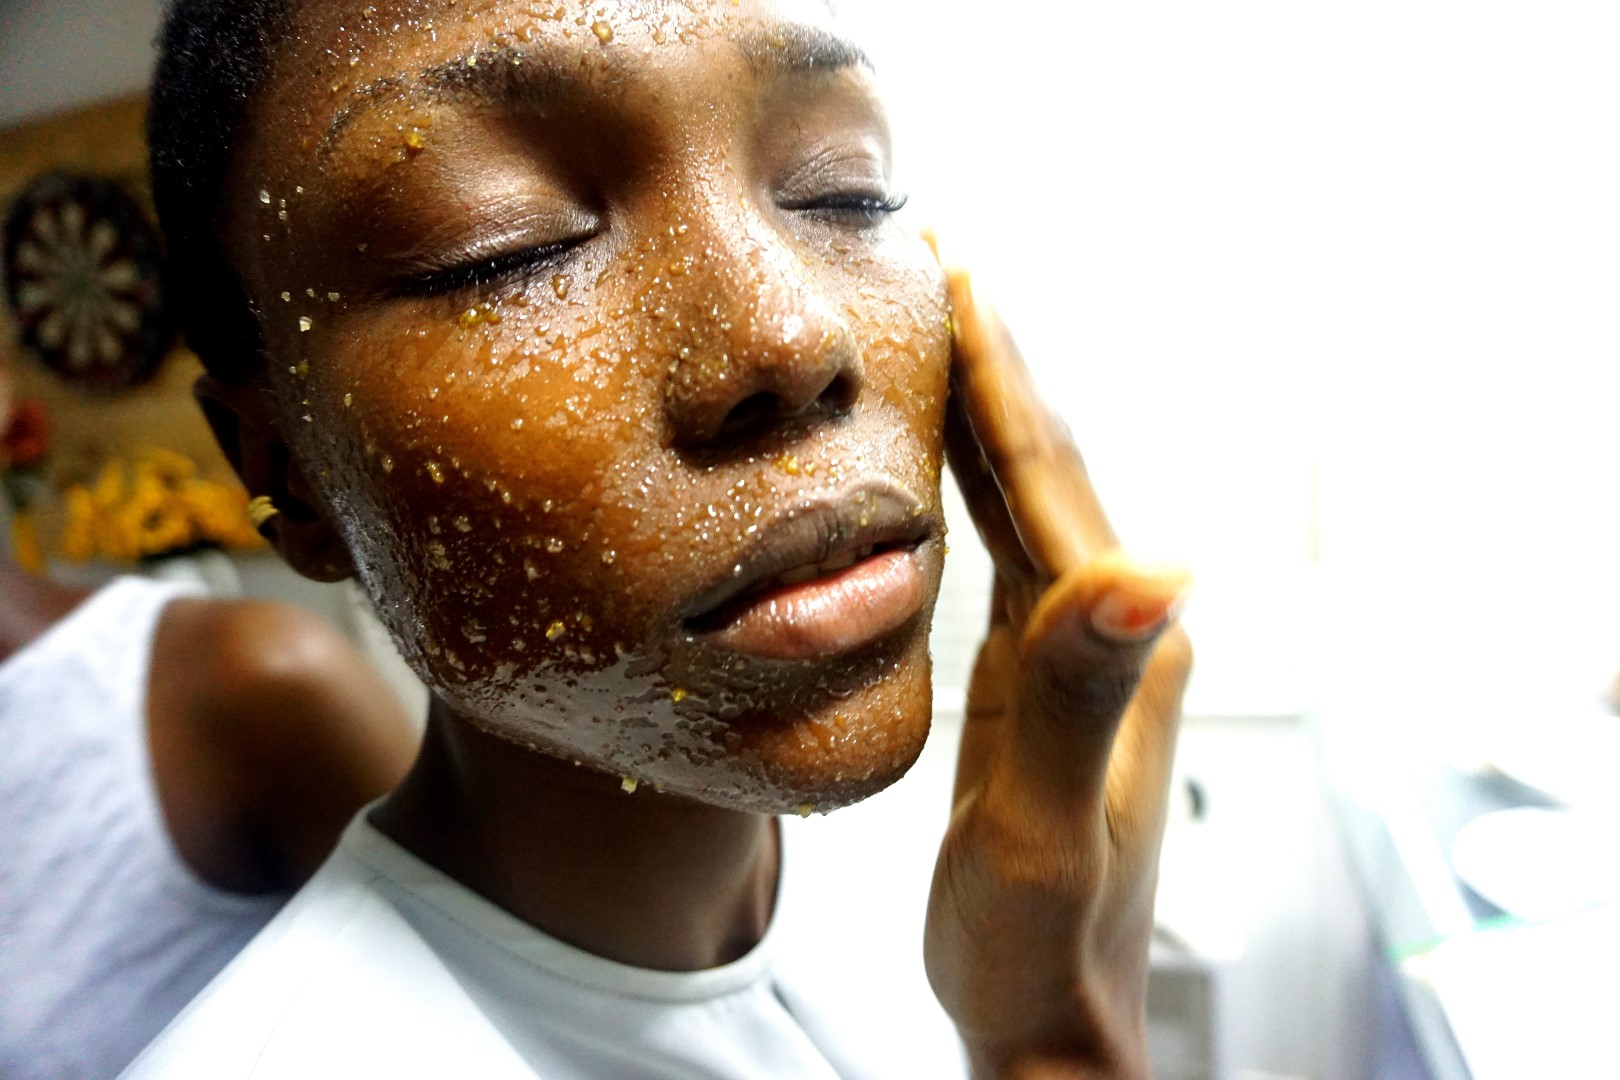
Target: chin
(823, 763)
(811, 737)
(823, 751)
(806, 749)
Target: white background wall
(1316, 285)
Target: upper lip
(813, 531)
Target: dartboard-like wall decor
(83, 276)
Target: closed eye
(850, 208)
(486, 272)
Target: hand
(1042, 904)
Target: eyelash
(511, 268)
(872, 208)
(521, 267)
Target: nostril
(751, 414)
(765, 408)
(841, 393)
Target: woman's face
(591, 328)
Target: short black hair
(213, 59)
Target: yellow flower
(79, 537)
(167, 466)
(25, 544)
(151, 505)
(108, 490)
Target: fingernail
(1133, 619)
(931, 238)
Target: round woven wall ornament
(83, 275)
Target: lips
(823, 579)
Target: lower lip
(828, 616)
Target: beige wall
(61, 54)
(107, 140)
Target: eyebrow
(797, 47)
(509, 74)
(491, 74)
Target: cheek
(899, 314)
(494, 476)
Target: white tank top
(105, 933)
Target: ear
(242, 418)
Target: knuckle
(1173, 655)
(1095, 687)
(1019, 852)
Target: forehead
(343, 58)
(453, 21)
(345, 78)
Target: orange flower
(25, 441)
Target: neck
(29, 606)
(645, 879)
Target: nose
(759, 346)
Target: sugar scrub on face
(632, 307)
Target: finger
(931, 238)
(1126, 600)
(1042, 477)
(986, 708)
(1083, 651)
(981, 493)
(1139, 770)
(975, 479)
(987, 693)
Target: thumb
(1083, 651)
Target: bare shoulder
(269, 729)
(237, 644)
(275, 680)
